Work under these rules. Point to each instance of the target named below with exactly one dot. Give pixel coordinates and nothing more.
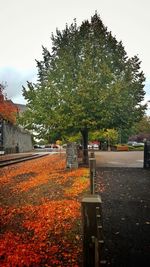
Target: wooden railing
(93, 240)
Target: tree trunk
(84, 133)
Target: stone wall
(16, 139)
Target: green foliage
(140, 130)
(143, 126)
(110, 135)
(74, 138)
(97, 135)
(86, 82)
(123, 135)
(138, 148)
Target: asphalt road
(129, 159)
(126, 215)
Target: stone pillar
(71, 156)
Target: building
(13, 138)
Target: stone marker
(71, 156)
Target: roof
(21, 107)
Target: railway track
(7, 162)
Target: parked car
(93, 146)
(135, 144)
(96, 146)
(139, 144)
(54, 146)
(131, 143)
(38, 146)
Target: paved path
(124, 184)
(132, 159)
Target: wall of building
(16, 139)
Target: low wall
(16, 139)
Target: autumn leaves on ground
(41, 213)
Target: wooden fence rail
(93, 241)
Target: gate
(147, 154)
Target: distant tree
(73, 138)
(87, 82)
(8, 111)
(141, 130)
(110, 135)
(97, 135)
(143, 126)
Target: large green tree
(86, 82)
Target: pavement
(123, 185)
(131, 159)
(126, 215)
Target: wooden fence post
(92, 165)
(145, 154)
(92, 154)
(146, 163)
(92, 231)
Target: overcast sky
(26, 25)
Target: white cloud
(15, 80)
(26, 25)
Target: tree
(8, 111)
(97, 135)
(143, 126)
(109, 135)
(141, 130)
(87, 82)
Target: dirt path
(126, 215)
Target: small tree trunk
(84, 133)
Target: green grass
(137, 148)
